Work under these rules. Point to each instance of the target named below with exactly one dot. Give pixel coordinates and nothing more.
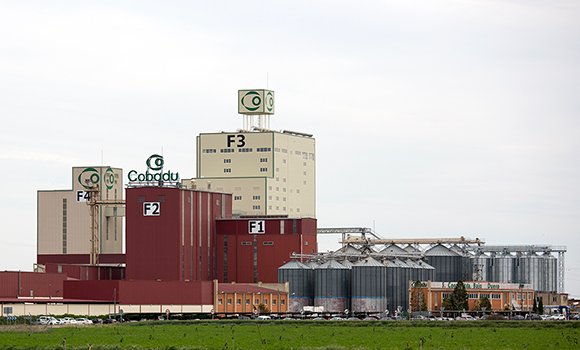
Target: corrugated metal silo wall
(503, 269)
(332, 289)
(301, 284)
(447, 268)
(369, 288)
(404, 288)
(551, 273)
(393, 285)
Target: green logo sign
(270, 101)
(89, 177)
(251, 101)
(154, 163)
(109, 178)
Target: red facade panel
(15, 284)
(79, 258)
(177, 243)
(87, 272)
(142, 292)
(246, 258)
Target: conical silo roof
(332, 264)
(294, 264)
(312, 264)
(348, 249)
(367, 262)
(347, 263)
(411, 249)
(393, 249)
(440, 250)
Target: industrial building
(241, 237)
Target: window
(472, 296)
(247, 301)
(268, 243)
(283, 179)
(263, 160)
(227, 170)
(263, 170)
(246, 243)
(496, 296)
(283, 189)
(237, 198)
(282, 302)
(229, 301)
(263, 149)
(209, 150)
(227, 160)
(284, 199)
(256, 207)
(220, 301)
(277, 149)
(277, 169)
(256, 198)
(273, 301)
(304, 173)
(227, 150)
(245, 150)
(283, 161)
(297, 191)
(257, 301)
(239, 301)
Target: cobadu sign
(154, 172)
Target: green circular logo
(89, 177)
(109, 178)
(251, 101)
(155, 162)
(270, 101)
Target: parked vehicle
(82, 320)
(263, 318)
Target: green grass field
(297, 335)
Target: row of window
(255, 197)
(256, 301)
(263, 243)
(476, 296)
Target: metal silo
(416, 270)
(503, 268)
(427, 271)
(402, 290)
(300, 279)
(346, 263)
(551, 268)
(447, 263)
(393, 285)
(332, 286)
(369, 286)
(481, 267)
(530, 269)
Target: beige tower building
(64, 222)
(268, 172)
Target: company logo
(155, 162)
(89, 177)
(109, 178)
(251, 101)
(270, 101)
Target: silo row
(366, 286)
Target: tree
(485, 303)
(417, 297)
(460, 296)
(535, 306)
(457, 300)
(541, 306)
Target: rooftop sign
(154, 172)
(255, 102)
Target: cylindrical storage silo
(531, 269)
(551, 267)
(481, 267)
(427, 271)
(393, 285)
(447, 263)
(369, 286)
(503, 268)
(415, 272)
(411, 249)
(332, 283)
(300, 280)
(402, 290)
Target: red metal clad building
(15, 284)
(170, 233)
(251, 249)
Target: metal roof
(368, 262)
(294, 264)
(440, 250)
(331, 264)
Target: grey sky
(432, 118)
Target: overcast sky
(432, 118)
